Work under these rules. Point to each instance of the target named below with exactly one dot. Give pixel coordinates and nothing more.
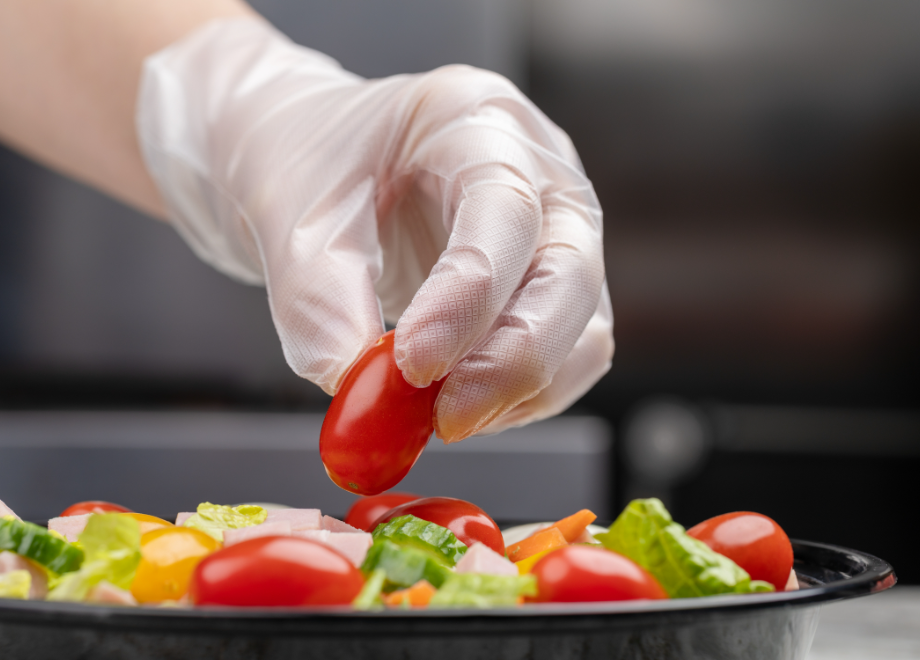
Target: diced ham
(352, 545)
(7, 511)
(276, 528)
(585, 537)
(792, 584)
(480, 558)
(10, 561)
(71, 526)
(335, 525)
(300, 519)
(106, 593)
(182, 517)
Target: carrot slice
(547, 539)
(418, 595)
(572, 526)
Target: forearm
(69, 72)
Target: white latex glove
(448, 190)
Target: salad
(394, 550)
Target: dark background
(759, 170)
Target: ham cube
(300, 519)
(277, 528)
(12, 562)
(71, 526)
(106, 593)
(353, 545)
(7, 511)
(792, 584)
(182, 517)
(335, 525)
(480, 558)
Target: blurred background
(759, 168)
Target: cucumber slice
(404, 566)
(38, 544)
(437, 542)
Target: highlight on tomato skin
(467, 521)
(93, 506)
(365, 510)
(275, 571)
(583, 574)
(753, 541)
(377, 424)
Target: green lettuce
(369, 596)
(684, 566)
(112, 546)
(403, 565)
(213, 519)
(15, 584)
(478, 590)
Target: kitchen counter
(881, 627)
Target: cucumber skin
(436, 541)
(404, 566)
(36, 543)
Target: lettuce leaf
(213, 519)
(15, 584)
(403, 566)
(684, 566)
(369, 596)
(112, 545)
(479, 590)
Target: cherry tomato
(467, 521)
(148, 523)
(93, 506)
(377, 424)
(365, 511)
(276, 571)
(581, 573)
(169, 556)
(753, 541)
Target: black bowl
(776, 626)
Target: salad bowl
(768, 626)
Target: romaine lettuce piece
(403, 566)
(479, 590)
(112, 545)
(15, 584)
(369, 596)
(213, 519)
(684, 566)
(437, 542)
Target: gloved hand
(447, 196)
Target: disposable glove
(445, 201)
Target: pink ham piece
(480, 558)
(7, 511)
(300, 519)
(71, 526)
(182, 517)
(277, 528)
(12, 562)
(106, 593)
(792, 584)
(352, 545)
(331, 524)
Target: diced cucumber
(437, 542)
(38, 544)
(404, 566)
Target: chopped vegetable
(573, 526)
(526, 565)
(213, 519)
(437, 542)
(477, 590)
(15, 584)
(369, 596)
(684, 566)
(168, 559)
(112, 543)
(404, 565)
(418, 595)
(38, 544)
(546, 539)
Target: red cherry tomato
(272, 571)
(467, 521)
(365, 511)
(753, 541)
(93, 506)
(580, 574)
(377, 424)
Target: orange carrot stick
(547, 539)
(572, 526)
(418, 595)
